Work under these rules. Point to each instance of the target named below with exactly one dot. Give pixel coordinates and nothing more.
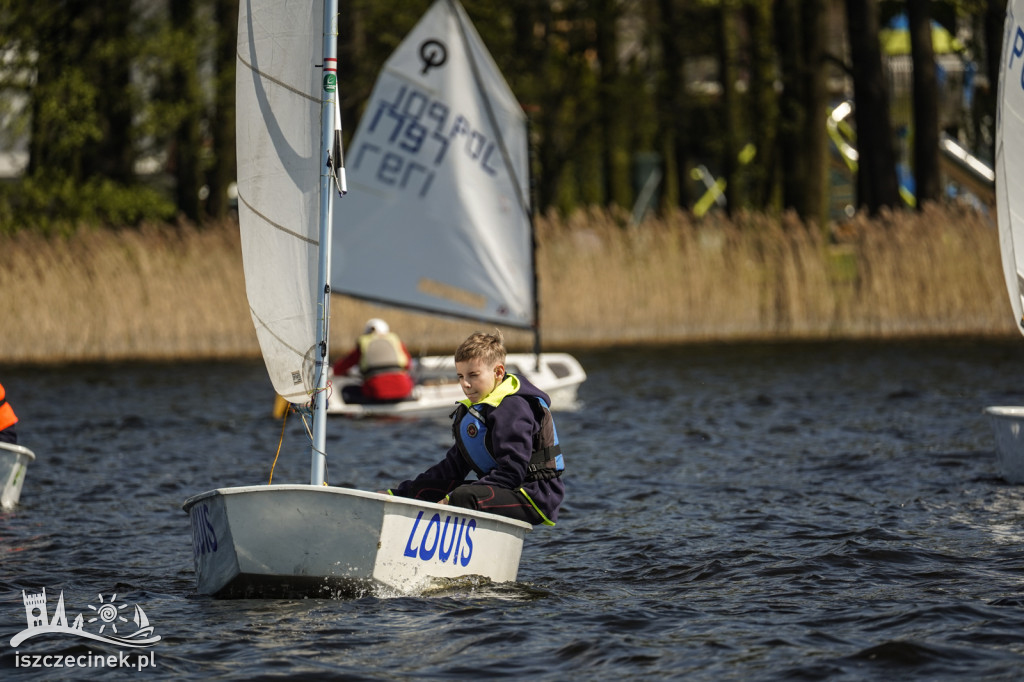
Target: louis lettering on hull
(445, 543)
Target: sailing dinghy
(284, 540)
(14, 460)
(440, 220)
(437, 389)
(1008, 421)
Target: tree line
(128, 107)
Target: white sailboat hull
(437, 388)
(1008, 428)
(14, 460)
(290, 540)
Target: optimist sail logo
(114, 623)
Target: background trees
(125, 109)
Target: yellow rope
(280, 442)
(284, 421)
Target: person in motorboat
(504, 433)
(383, 362)
(7, 419)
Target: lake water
(734, 512)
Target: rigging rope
(280, 442)
(303, 411)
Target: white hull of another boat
(1008, 428)
(437, 388)
(14, 461)
(306, 540)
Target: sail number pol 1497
(409, 136)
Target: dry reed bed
(165, 292)
(758, 277)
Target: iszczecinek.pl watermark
(106, 614)
(121, 659)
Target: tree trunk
(764, 102)
(223, 170)
(728, 24)
(536, 57)
(801, 32)
(926, 103)
(793, 117)
(877, 186)
(46, 129)
(672, 108)
(995, 16)
(185, 89)
(111, 156)
(814, 24)
(614, 155)
(67, 124)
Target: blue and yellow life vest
(470, 430)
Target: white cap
(376, 325)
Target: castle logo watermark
(105, 621)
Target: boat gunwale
(18, 449)
(351, 492)
(1005, 411)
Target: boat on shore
(14, 461)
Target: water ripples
(808, 512)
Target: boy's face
(477, 377)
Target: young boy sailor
(504, 432)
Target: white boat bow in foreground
(293, 540)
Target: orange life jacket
(7, 416)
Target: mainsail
(1010, 159)
(278, 130)
(439, 217)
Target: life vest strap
(546, 454)
(374, 371)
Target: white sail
(278, 141)
(437, 218)
(1010, 158)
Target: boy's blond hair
(488, 347)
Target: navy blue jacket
(511, 427)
